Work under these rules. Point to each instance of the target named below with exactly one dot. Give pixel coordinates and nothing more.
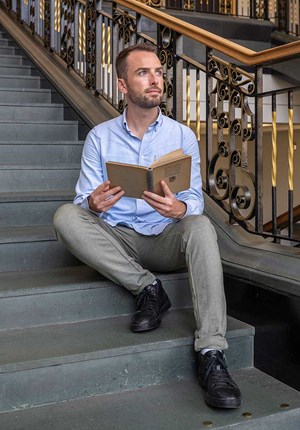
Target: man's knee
(199, 226)
(62, 216)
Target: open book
(174, 168)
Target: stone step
(40, 153)
(6, 59)
(72, 294)
(38, 178)
(15, 70)
(267, 405)
(6, 42)
(31, 208)
(30, 248)
(21, 130)
(25, 95)
(31, 111)
(10, 50)
(32, 212)
(20, 82)
(62, 362)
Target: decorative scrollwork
(229, 109)
(242, 200)
(126, 23)
(67, 38)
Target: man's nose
(153, 78)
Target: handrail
(282, 221)
(238, 52)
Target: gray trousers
(128, 258)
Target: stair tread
(43, 142)
(42, 105)
(173, 406)
(89, 340)
(28, 78)
(30, 90)
(31, 282)
(26, 234)
(48, 122)
(27, 196)
(61, 166)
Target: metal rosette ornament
(242, 196)
(230, 181)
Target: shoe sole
(217, 403)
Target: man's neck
(139, 119)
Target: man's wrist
(184, 206)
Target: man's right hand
(103, 197)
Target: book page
(178, 153)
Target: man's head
(121, 61)
(140, 76)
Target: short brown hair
(121, 60)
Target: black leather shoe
(150, 304)
(221, 390)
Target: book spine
(150, 179)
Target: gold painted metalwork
(198, 117)
(57, 15)
(188, 98)
(154, 3)
(108, 49)
(42, 9)
(82, 31)
(274, 149)
(26, 2)
(188, 5)
(103, 43)
(291, 150)
(225, 7)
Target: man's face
(144, 82)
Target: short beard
(144, 102)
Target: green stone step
(267, 405)
(71, 294)
(68, 361)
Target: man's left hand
(168, 206)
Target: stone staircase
(67, 357)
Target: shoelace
(147, 298)
(217, 371)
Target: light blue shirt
(113, 141)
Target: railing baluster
(290, 161)
(274, 165)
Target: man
(125, 239)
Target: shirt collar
(157, 123)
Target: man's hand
(103, 197)
(168, 206)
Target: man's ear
(122, 85)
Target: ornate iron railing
(247, 131)
(285, 14)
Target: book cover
(174, 168)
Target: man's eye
(159, 73)
(143, 73)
